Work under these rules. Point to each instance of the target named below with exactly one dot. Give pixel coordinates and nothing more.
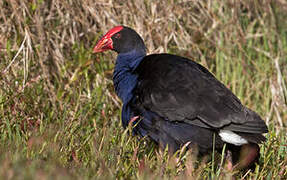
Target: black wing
(179, 89)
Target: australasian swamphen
(176, 101)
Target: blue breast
(125, 80)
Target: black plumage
(181, 90)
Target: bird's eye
(117, 36)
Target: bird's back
(179, 90)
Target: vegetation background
(60, 117)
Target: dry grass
(60, 115)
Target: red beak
(106, 42)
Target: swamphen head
(120, 39)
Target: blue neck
(124, 78)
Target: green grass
(60, 117)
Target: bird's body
(177, 100)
